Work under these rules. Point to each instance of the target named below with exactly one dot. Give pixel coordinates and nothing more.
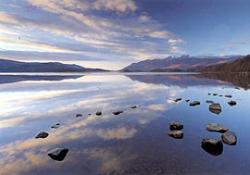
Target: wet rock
(215, 108)
(58, 153)
(177, 100)
(177, 134)
(42, 135)
(215, 127)
(214, 94)
(209, 94)
(194, 103)
(237, 88)
(175, 126)
(117, 112)
(98, 113)
(209, 101)
(220, 95)
(187, 100)
(212, 146)
(228, 96)
(133, 107)
(89, 114)
(78, 115)
(229, 138)
(57, 125)
(232, 103)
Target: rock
(237, 88)
(58, 153)
(214, 94)
(212, 146)
(117, 112)
(98, 113)
(175, 126)
(177, 100)
(176, 134)
(78, 115)
(209, 94)
(133, 107)
(220, 95)
(89, 114)
(42, 135)
(194, 103)
(209, 101)
(216, 127)
(57, 125)
(232, 103)
(228, 96)
(229, 138)
(187, 100)
(215, 108)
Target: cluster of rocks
(176, 130)
(59, 154)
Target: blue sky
(113, 33)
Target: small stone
(214, 94)
(78, 115)
(177, 134)
(194, 103)
(117, 112)
(228, 96)
(175, 126)
(209, 101)
(237, 88)
(58, 153)
(232, 103)
(209, 94)
(215, 108)
(212, 146)
(98, 113)
(57, 125)
(89, 114)
(133, 107)
(177, 100)
(215, 127)
(187, 100)
(42, 135)
(220, 95)
(229, 138)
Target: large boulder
(215, 108)
(229, 138)
(212, 146)
(177, 134)
(58, 153)
(215, 127)
(175, 126)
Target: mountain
(239, 65)
(182, 63)
(17, 66)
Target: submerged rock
(212, 146)
(237, 88)
(42, 135)
(215, 108)
(117, 112)
(194, 103)
(98, 113)
(220, 95)
(177, 134)
(228, 96)
(175, 126)
(229, 138)
(89, 114)
(209, 101)
(58, 153)
(187, 100)
(79, 115)
(57, 125)
(133, 107)
(215, 127)
(214, 94)
(232, 103)
(177, 100)
(209, 94)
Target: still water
(135, 142)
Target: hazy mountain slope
(239, 65)
(16, 66)
(183, 63)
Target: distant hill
(177, 64)
(17, 66)
(239, 65)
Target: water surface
(132, 143)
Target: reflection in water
(133, 142)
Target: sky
(111, 34)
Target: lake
(135, 142)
